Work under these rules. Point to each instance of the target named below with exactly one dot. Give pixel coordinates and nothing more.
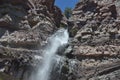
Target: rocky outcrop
(25, 26)
(95, 26)
(92, 54)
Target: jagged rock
(108, 50)
(97, 17)
(93, 53)
(49, 4)
(26, 25)
(27, 39)
(96, 42)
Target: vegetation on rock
(68, 12)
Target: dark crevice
(96, 57)
(109, 70)
(113, 11)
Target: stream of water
(59, 39)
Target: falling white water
(59, 39)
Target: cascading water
(59, 39)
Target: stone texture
(25, 26)
(95, 43)
(92, 54)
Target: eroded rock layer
(92, 54)
(24, 27)
(95, 26)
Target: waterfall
(59, 39)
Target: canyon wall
(93, 52)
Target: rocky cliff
(95, 28)
(24, 27)
(93, 52)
